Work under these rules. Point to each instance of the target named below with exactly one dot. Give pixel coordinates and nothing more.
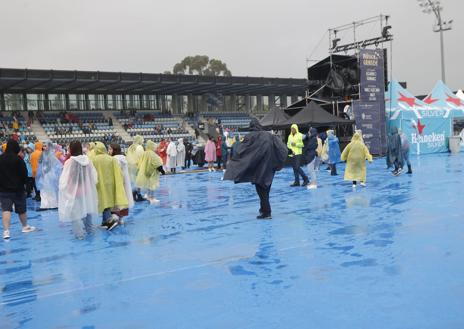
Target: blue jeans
(106, 215)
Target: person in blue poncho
(48, 176)
(331, 152)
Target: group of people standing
(82, 183)
(315, 148)
(90, 180)
(220, 151)
(175, 154)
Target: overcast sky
(254, 37)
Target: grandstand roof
(97, 82)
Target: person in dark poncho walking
(395, 152)
(256, 160)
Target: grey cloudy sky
(254, 37)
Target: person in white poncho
(172, 155)
(77, 198)
(180, 158)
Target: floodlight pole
(435, 7)
(442, 47)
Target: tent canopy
(315, 116)
(442, 97)
(396, 97)
(274, 118)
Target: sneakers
(28, 229)
(305, 183)
(397, 172)
(363, 184)
(6, 234)
(263, 216)
(295, 184)
(154, 201)
(112, 223)
(311, 187)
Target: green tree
(201, 65)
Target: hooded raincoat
(394, 153)
(258, 157)
(48, 175)
(110, 186)
(180, 159)
(161, 150)
(134, 154)
(210, 151)
(123, 164)
(172, 155)
(355, 154)
(310, 146)
(148, 176)
(27, 159)
(331, 149)
(78, 189)
(35, 157)
(295, 142)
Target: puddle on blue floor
(385, 256)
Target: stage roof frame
(33, 81)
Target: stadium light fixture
(435, 7)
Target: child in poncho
(110, 186)
(78, 199)
(150, 168)
(355, 154)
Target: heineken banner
(428, 134)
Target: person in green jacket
(110, 186)
(295, 145)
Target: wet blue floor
(387, 256)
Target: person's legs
(312, 172)
(333, 169)
(263, 193)
(29, 187)
(259, 192)
(218, 160)
(300, 170)
(406, 159)
(6, 220)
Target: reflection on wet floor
(385, 256)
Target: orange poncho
(35, 157)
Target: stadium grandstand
(60, 106)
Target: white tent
(460, 94)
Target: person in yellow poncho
(133, 157)
(355, 154)
(110, 186)
(150, 167)
(295, 145)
